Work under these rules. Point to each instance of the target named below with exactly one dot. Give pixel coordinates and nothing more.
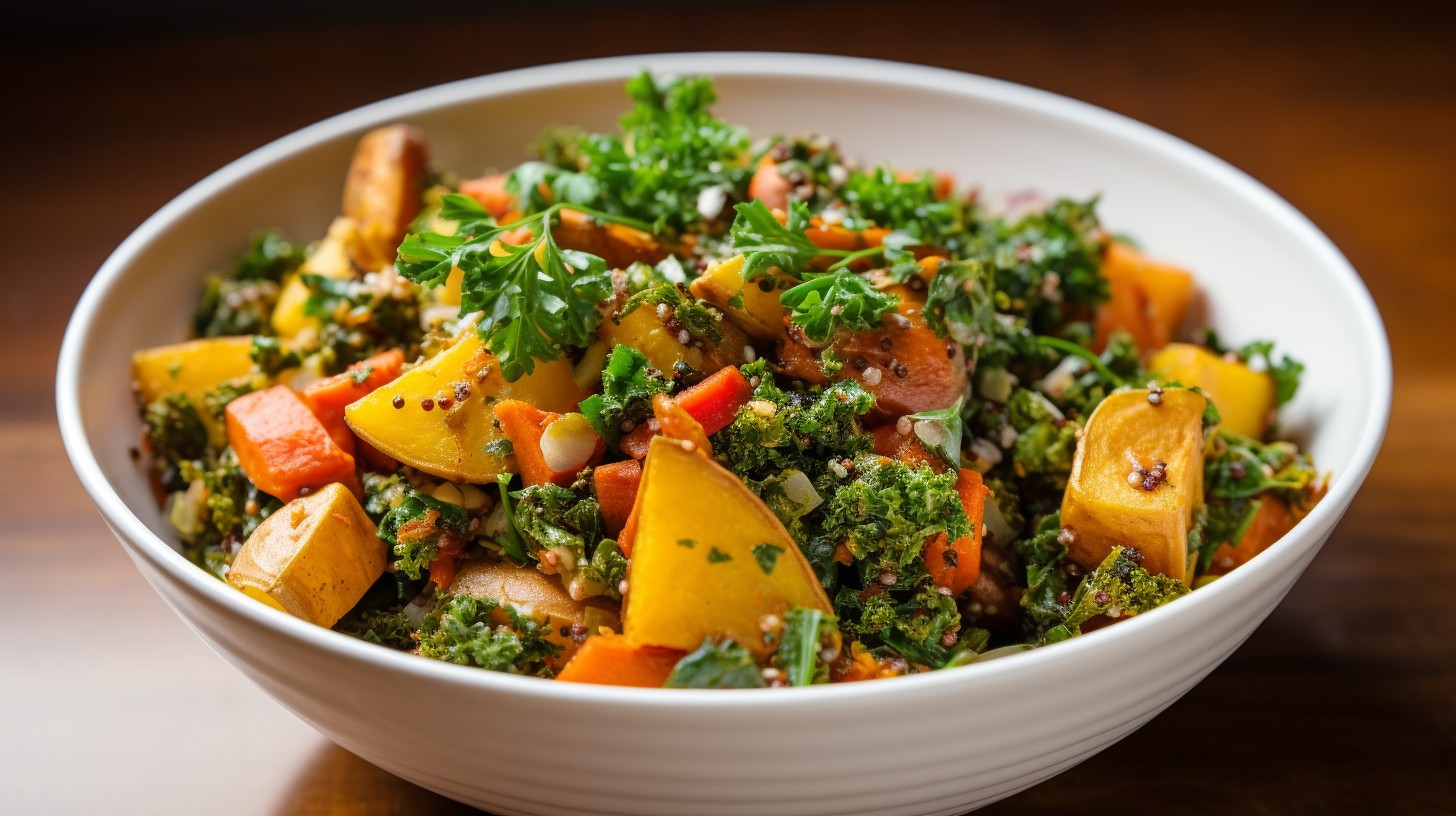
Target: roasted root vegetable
(616, 487)
(711, 404)
(536, 596)
(753, 306)
(550, 448)
(438, 416)
(384, 188)
(690, 581)
(955, 565)
(328, 398)
(282, 447)
(1137, 479)
(613, 660)
(1146, 299)
(1244, 397)
(193, 368)
(313, 559)
(904, 364)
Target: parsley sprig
(825, 302)
(535, 299)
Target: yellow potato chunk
(461, 385)
(329, 259)
(1244, 397)
(194, 367)
(536, 596)
(645, 331)
(314, 558)
(708, 558)
(1115, 495)
(757, 312)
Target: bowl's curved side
(937, 748)
(956, 738)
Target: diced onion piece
(568, 443)
(799, 490)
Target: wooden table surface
(1343, 702)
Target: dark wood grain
(1343, 702)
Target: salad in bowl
(680, 405)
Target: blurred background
(1342, 702)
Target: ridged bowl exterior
(938, 743)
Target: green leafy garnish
(806, 634)
(940, 431)
(767, 245)
(535, 299)
(720, 665)
(628, 384)
(767, 556)
(824, 303)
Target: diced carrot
(907, 448)
(769, 186)
(616, 488)
(712, 403)
(524, 425)
(374, 458)
(1271, 521)
(610, 660)
(328, 397)
(958, 572)
(635, 443)
(446, 562)
(1146, 299)
(677, 423)
(491, 192)
(282, 447)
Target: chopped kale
(241, 300)
(175, 429)
(419, 528)
(716, 665)
(700, 319)
(462, 630)
(628, 384)
(1119, 587)
(807, 635)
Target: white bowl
(936, 743)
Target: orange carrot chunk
(282, 447)
(526, 426)
(957, 565)
(712, 403)
(492, 194)
(616, 487)
(907, 448)
(609, 660)
(328, 397)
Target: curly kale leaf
(1240, 467)
(670, 150)
(1044, 264)
(628, 384)
(888, 510)
(419, 527)
(1119, 587)
(392, 629)
(960, 303)
(802, 430)
(913, 622)
(807, 634)
(886, 198)
(767, 245)
(824, 303)
(461, 630)
(358, 320)
(720, 665)
(550, 517)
